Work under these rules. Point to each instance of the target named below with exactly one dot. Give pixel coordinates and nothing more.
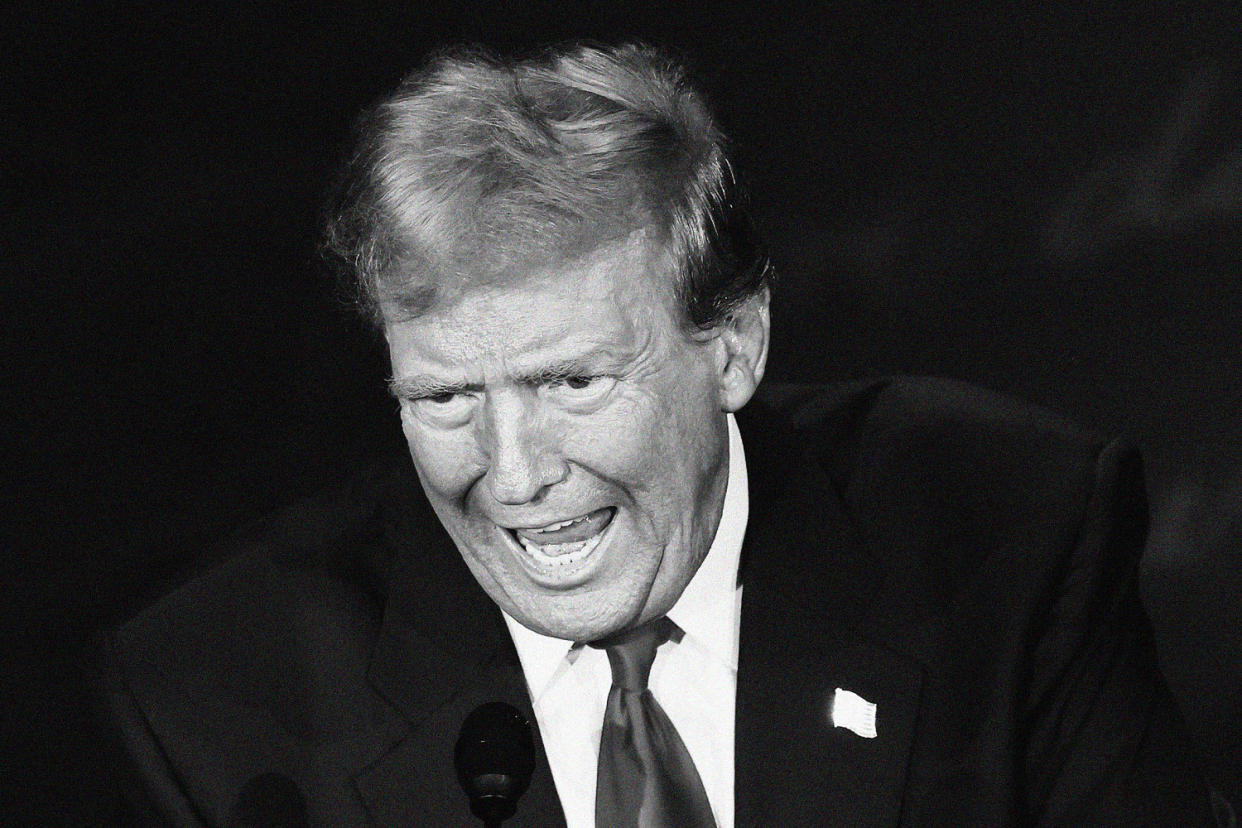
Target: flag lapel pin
(852, 712)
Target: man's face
(571, 437)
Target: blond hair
(476, 166)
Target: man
(898, 603)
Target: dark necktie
(646, 777)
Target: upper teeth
(552, 527)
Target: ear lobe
(743, 338)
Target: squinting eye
(445, 409)
(581, 387)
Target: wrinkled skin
(574, 390)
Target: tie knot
(632, 652)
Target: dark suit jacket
(965, 562)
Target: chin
(580, 623)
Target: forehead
(618, 292)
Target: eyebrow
(420, 387)
(557, 371)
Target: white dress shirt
(694, 680)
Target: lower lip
(561, 575)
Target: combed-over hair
(475, 166)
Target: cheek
(655, 440)
(443, 461)
(684, 417)
(623, 442)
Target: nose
(523, 459)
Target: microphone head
(270, 800)
(494, 757)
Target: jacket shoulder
(925, 463)
(259, 665)
(258, 631)
(887, 408)
(298, 585)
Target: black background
(1045, 200)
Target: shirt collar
(708, 608)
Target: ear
(742, 351)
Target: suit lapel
(442, 651)
(810, 584)
(793, 766)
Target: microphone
(270, 800)
(494, 757)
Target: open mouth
(565, 542)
